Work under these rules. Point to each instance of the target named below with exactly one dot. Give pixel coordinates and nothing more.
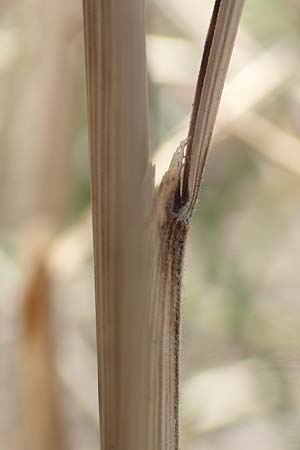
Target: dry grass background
(241, 328)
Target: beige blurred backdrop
(240, 365)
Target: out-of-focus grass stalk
(41, 423)
(37, 172)
(38, 135)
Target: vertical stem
(117, 110)
(139, 236)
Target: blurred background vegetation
(241, 310)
